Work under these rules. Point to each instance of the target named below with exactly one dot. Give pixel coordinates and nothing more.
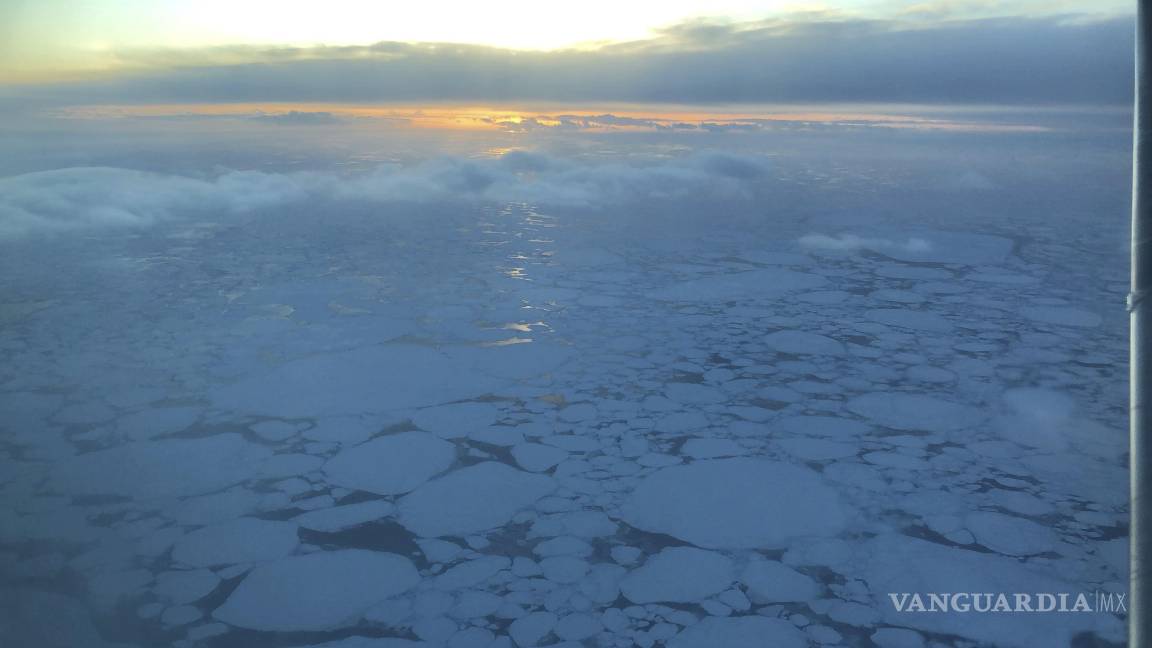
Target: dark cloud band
(1049, 60)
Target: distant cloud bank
(1014, 60)
(90, 198)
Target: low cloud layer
(851, 242)
(817, 59)
(88, 198)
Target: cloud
(95, 198)
(818, 58)
(298, 118)
(850, 242)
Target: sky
(70, 52)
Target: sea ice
(896, 563)
(910, 319)
(369, 379)
(392, 464)
(537, 457)
(817, 449)
(577, 627)
(739, 286)
(825, 426)
(903, 411)
(776, 257)
(564, 569)
(338, 518)
(275, 430)
(471, 573)
(347, 430)
(155, 422)
(497, 435)
(239, 541)
(471, 499)
(769, 581)
(803, 343)
(530, 629)
(740, 632)
(164, 468)
(929, 374)
(897, 296)
(318, 591)
(1062, 316)
(710, 448)
(735, 503)
(693, 394)
(455, 420)
(288, 465)
(679, 575)
(181, 615)
(182, 587)
(897, 638)
(1010, 535)
(922, 273)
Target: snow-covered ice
(803, 342)
(755, 284)
(471, 499)
(391, 464)
(498, 423)
(769, 581)
(318, 591)
(740, 632)
(736, 503)
(346, 516)
(914, 411)
(243, 540)
(368, 379)
(165, 468)
(679, 575)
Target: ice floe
(679, 575)
(170, 467)
(1061, 316)
(242, 540)
(369, 379)
(318, 591)
(471, 499)
(899, 564)
(392, 464)
(735, 503)
(803, 342)
(740, 632)
(905, 411)
(739, 286)
(338, 518)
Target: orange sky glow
(521, 119)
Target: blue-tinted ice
(504, 424)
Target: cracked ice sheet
(901, 564)
(378, 378)
(886, 408)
